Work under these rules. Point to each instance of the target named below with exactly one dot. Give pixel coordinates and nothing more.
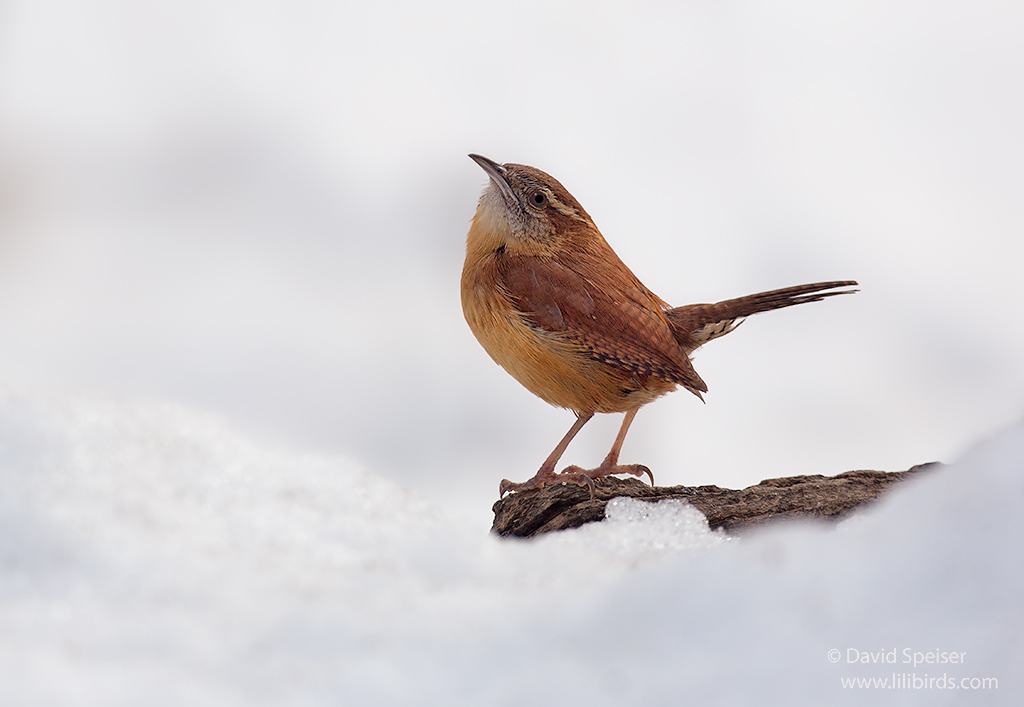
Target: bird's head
(527, 209)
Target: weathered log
(821, 497)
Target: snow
(152, 554)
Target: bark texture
(817, 497)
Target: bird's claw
(574, 475)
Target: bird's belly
(548, 365)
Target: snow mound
(149, 554)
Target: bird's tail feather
(696, 324)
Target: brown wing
(622, 325)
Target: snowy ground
(152, 555)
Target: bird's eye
(539, 199)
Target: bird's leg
(611, 465)
(546, 474)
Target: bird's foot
(571, 475)
(574, 475)
(607, 469)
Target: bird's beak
(497, 174)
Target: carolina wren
(553, 305)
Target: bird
(551, 303)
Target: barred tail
(696, 324)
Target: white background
(260, 209)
